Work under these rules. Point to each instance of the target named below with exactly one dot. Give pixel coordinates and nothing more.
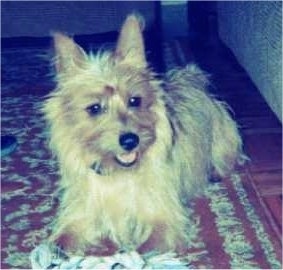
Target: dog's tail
(227, 146)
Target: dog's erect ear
(130, 47)
(68, 53)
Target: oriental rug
(233, 231)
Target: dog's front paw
(106, 247)
(67, 243)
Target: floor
(260, 129)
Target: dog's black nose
(129, 141)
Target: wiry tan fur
(185, 136)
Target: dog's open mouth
(127, 159)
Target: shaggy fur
(132, 197)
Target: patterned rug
(233, 232)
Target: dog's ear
(68, 53)
(130, 46)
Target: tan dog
(132, 148)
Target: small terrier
(132, 148)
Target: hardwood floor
(265, 169)
(261, 130)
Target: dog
(133, 148)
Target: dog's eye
(134, 102)
(94, 109)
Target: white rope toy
(47, 257)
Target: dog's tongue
(127, 159)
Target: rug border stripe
(257, 225)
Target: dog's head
(104, 105)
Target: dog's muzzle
(128, 141)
